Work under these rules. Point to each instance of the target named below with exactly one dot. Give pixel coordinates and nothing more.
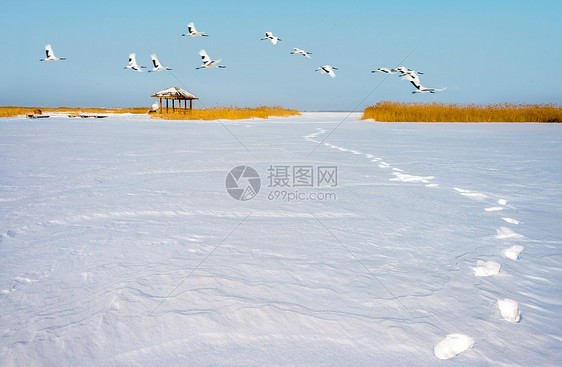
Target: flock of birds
(410, 75)
(405, 74)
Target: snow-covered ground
(120, 245)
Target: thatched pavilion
(175, 93)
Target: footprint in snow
(452, 345)
(509, 310)
(511, 220)
(513, 252)
(471, 194)
(486, 268)
(504, 232)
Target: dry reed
(386, 111)
(213, 113)
(228, 113)
(12, 111)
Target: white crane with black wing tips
(51, 55)
(413, 78)
(192, 32)
(327, 69)
(133, 63)
(271, 37)
(207, 62)
(157, 65)
(298, 51)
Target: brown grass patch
(12, 111)
(440, 112)
(213, 113)
(228, 113)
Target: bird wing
(205, 57)
(417, 84)
(268, 34)
(191, 28)
(411, 77)
(49, 51)
(155, 61)
(274, 40)
(132, 59)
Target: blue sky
(482, 51)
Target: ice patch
(509, 310)
(493, 209)
(369, 156)
(504, 232)
(403, 177)
(355, 152)
(398, 170)
(486, 268)
(471, 194)
(502, 202)
(513, 252)
(452, 345)
(511, 220)
(432, 185)
(4, 291)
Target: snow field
(120, 246)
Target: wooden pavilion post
(190, 105)
(166, 105)
(160, 105)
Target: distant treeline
(386, 111)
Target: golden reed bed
(440, 112)
(212, 113)
(12, 111)
(229, 113)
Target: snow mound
(493, 209)
(452, 345)
(509, 310)
(504, 232)
(486, 268)
(513, 252)
(502, 202)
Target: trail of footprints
(454, 344)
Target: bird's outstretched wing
(191, 28)
(132, 59)
(49, 51)
(205, 57)
(155, 61)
